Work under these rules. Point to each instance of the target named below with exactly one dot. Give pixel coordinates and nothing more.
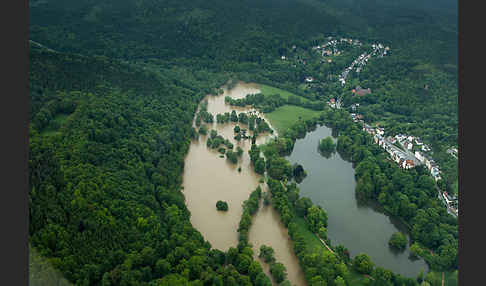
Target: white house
(409, 145)
(419, 156)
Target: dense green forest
(107, 146)
(112, 106)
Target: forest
(107, 146)
(111, 121)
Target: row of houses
(407, 141)
(430, 164)
(396, 154)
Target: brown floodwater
(208, 178)
(267, 229)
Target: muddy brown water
(208, 178)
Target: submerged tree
(398, 241)
(222, 206)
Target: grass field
(284, 116)
(313, 244)
(269, 90)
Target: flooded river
(208, 178)
(360, 227)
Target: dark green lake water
(360, 227)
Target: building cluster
(358, 64)
(403, 159)
(407, 160)
(330, 48)
(379, 50)
(334, 103)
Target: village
(330, 49)
(406, 150)
(409, 151)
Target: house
(380, 130)
(361, 91)
(419, 156)
(418, 142)
(391, 139)
(425, 148)
(446, 197)
(408, 145)
(309, 79)
(326, 53)
(430, 163)
(283, 57)
(408, 164)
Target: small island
(398, 241)
(327, 145)
(222, 206)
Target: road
(42, 46)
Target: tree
(254, 269)
(363, 264)
(203, 130)
(298, 172)
(302, 205)
(398, 241)
(239, 151)
(278, 271)
(267, 253)
(339, 281)
(327, 145)
(262, 280)
(260, 166)
(233, 116)
(231, 156)
(317, 218)
(236, 129)
(213, 134)
(222, 206)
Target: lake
(360, 226)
